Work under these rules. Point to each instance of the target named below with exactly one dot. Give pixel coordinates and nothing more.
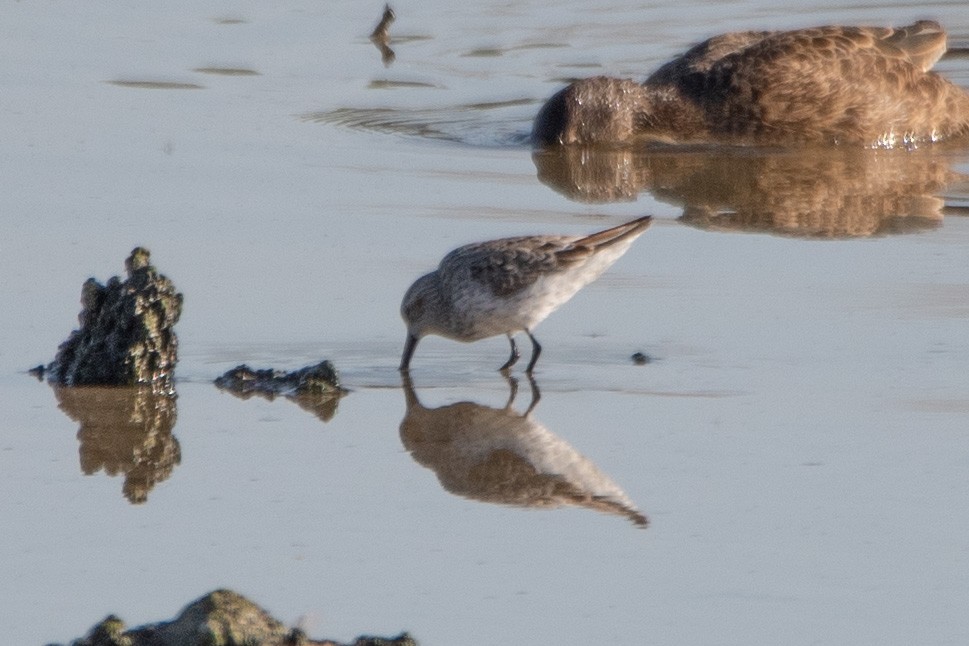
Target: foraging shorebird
(506, 286)
(871, 86)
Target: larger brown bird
(833, 85)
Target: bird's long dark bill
(409, 347)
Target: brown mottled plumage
(852, 85)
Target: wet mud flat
(783, 466)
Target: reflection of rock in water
(500, 456)
(124, 431)
(315, 389)
(126, 335)
(809, 192)
(489, 124)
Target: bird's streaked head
(420, 310)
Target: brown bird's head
(591, 111)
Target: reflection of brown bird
(821, 192)
(859, 85)
(509, 285)
(498, 455)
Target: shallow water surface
(788, 467)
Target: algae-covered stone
(126, 335)
(314, 388)
(321, 378)
(110, 632)
(220, 618)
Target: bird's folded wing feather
(505, 267)
(922, 44)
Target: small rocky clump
(222, 618)
(126, 335)
(316, 388)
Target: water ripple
(493, 124)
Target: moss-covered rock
(126, 335)
(315, 388)
(220, 618)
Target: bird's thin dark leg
(536, 394)
(512, 389)
(536, 350)
(514, 355)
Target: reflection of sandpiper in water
(499, 455)
(507, 286)
(834, 85)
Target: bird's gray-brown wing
(504, 267)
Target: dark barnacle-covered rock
(220, 617)
(316, 388)
(126, 335)
(109, 632)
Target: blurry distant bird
(381, 36)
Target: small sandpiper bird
(867, 86)
(507, 286)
